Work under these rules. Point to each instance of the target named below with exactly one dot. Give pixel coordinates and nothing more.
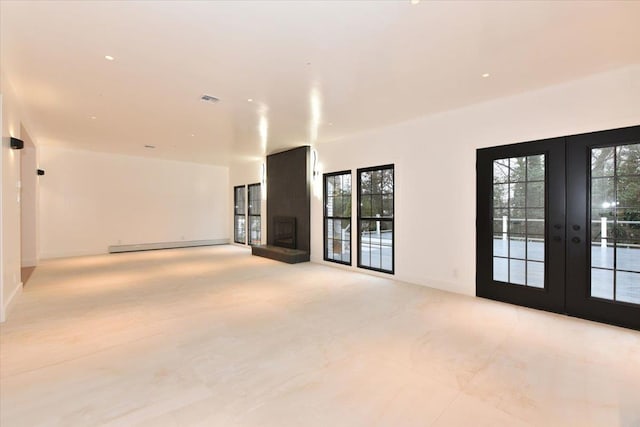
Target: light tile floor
(215, 337)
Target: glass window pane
(337, 229)
(517, 195)
(602, 256)
(628, 287)
(627, 231)
(535, 274)
(517, 247)
(500, 221)
(535, 168)
(601, 228)
(376, 182)
(387, 181)
(535, 248)
(535, 195)
(628, 159)
(500, 247)
(628, 189)
(500, 171)
(366, 209)
(346, 206)
(365, 182)
(500, 195)
(501, 269)
(337, 201)
(337, 206)
(602, 283)
(602, 161)
(376, 236)
(602, 195)
(518, 169)
(534, 225)
(516, 272)
(386, 248)
(628, 256)
(517, 221)
(387, 205)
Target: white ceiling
(315, 70)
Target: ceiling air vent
(209, 98)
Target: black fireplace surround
(284, 230)
(289, 177)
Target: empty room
(320, 213)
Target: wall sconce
(17, 144)
(314, 153)
(263, 178)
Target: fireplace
(284, 231)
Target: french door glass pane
(519, 196)
(615, 223)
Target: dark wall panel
(289, 192)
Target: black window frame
(236, 214)
(360, 218)
(251, 215)
(325, 217)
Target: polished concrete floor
(214, 337)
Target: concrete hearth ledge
(290, 256)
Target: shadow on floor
(26, 273)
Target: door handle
(576, 240)
(576, 227)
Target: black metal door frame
(567, 228)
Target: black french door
(558, 225)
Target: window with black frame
(337, 217)
(255, 200)
(239, 217)
(376, 218)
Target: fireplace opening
(284, 231)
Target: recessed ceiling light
(209, 98)
(92, 117)
(415, 1)
(193, 134)
(485, 75)
(330, 123)
(149, 146)
(109, 57)
(250, 100)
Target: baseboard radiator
(165, 245)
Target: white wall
(434, 159)
(11, 284)
(28, 201)
(89, 201)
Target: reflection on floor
(215, 337)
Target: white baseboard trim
(166, 245)
(29, 262)
(4, 314)
(70, 254)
